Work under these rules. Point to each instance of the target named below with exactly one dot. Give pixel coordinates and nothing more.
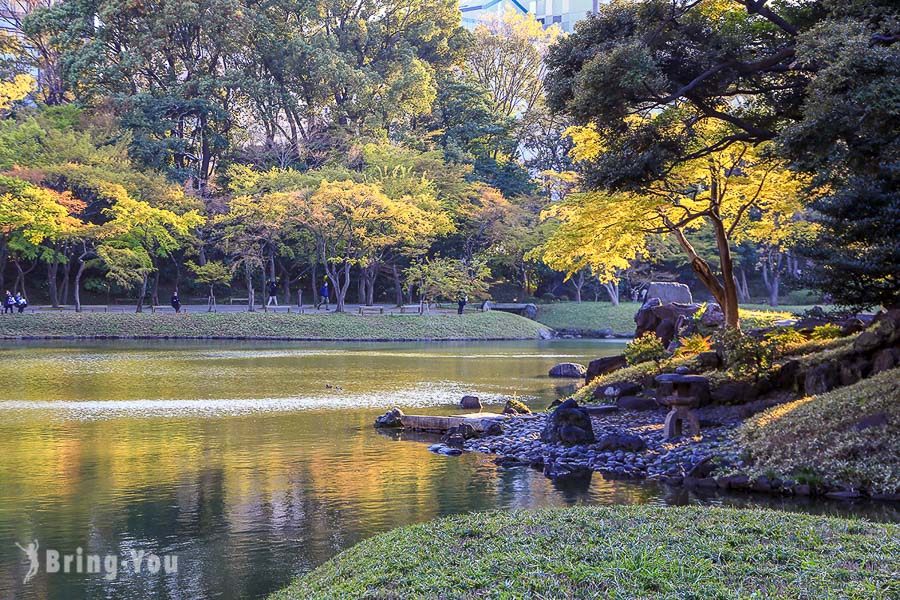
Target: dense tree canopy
(818, 78)
(378, 144)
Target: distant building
(561, 12)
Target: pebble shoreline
(520, 443)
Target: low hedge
(246, 325)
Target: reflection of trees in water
(247, 502)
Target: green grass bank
(623, 552)
(603, 315)
(848, 435)
(246, 325)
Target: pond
(255, 462)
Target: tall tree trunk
(248, 276)
(78, 274)
(702, 270)
(729, 289)
(361, 286)
(67, 270)
(3, 258)
(613, 290)
(154, 295)
(771, 272)
(371, 274)
(142, 293)
(398, 285)
(742, 287)
(314, 282)
(578, 284)
(286, 286)
(340, 278)
(52, 272)
(19, 285)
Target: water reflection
(249, 500)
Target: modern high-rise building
(561, 12)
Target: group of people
(321, 300)
(12, 303)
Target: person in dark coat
(176, 303)
(21, 302)
(8, 303)
(462, 305)
(273, 293)
(323, 296)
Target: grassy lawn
(331, 326)
(603, 315)
(816, 439)
(621, 552)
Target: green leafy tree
(211, 274)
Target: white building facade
(563, 13)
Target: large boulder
(713, 317)
(470, 403)
(822, 378)
(668, 292)
(663, 320)
(605, 365)
(568, 370)
(734, 392)
(885, 360)
(568, 424)
(390, 419)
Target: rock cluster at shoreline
(661, 459)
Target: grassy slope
(816, 437)
(603, 315)
(618, 552)
(492, 325)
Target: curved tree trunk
(142, 294)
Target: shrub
(693, 344)
(517, 405)
(563, 298)
(745, 355)
(548, 297)
(782, 338)
(645, 348)
(829, 331)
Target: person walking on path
(462, 304)
(273, 293)
(176, 303)
(21, 302)
(8, 303)
(323, 296)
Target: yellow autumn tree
(15, 90)
(353, 222)
(742, 192)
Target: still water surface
(255, 462)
